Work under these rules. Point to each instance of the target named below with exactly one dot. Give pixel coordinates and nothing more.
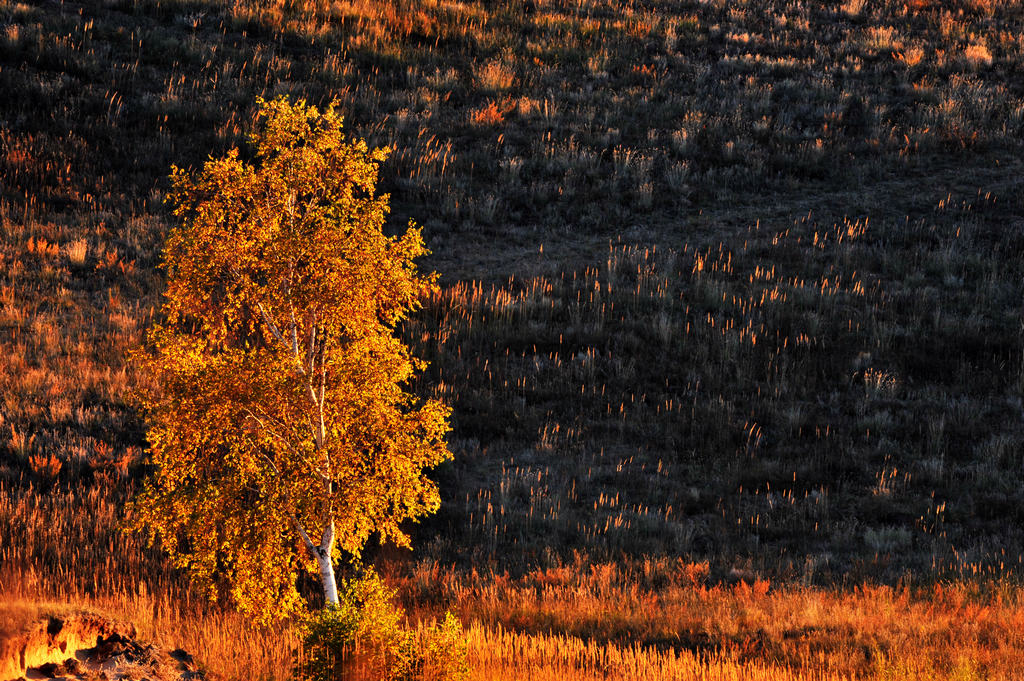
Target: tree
(278, 422)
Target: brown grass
(661, 619)
(65, 550)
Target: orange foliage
(278, 419)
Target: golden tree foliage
(278, 423)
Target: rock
(51, 670)
(184, 658)
(50, 640)
(89, 647)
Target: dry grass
(662, 619)
(805, 373)
(501, 655)
(65, 550)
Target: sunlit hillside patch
(750, 631)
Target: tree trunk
(323, 559)
(322, 553)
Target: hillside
(730, 289)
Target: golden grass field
(730, 318)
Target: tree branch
(287, 443)
(323, 381)
(311, 353)
(295, 341)
(264, 455)
(327, 540)
(305, 537)
(270, 324)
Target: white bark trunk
(323, 559)
(322, 553)
(325, 549)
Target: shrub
(363, 637)
(443, 653)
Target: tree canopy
(278, 418)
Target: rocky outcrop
(89, 648)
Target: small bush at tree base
(362, 637)
(365, 637)
(443, 654)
